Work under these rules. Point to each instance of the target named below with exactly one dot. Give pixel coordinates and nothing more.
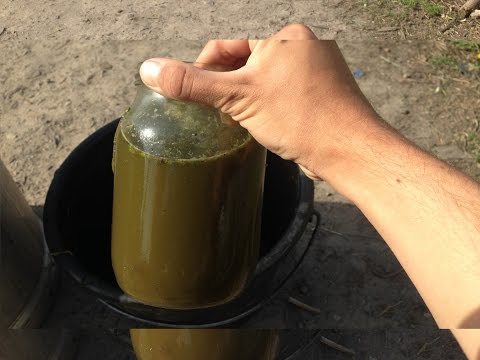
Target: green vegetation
(428, 6)
(467, 45)
(401, 10)
(412, 4)
(431, 9)
(473, 144)
(444, 60)
(472, 49)
(398, 17)
(463, 55)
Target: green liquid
(186, 233)
(205, 344)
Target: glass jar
(205, 344)
(187, 204)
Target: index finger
(224, 55)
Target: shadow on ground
(294, 345)
(349, 275)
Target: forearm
(469, 340)
(316, 115)
(427, 212)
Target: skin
(297, 97)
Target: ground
(398, 344)
(199, 20)
(56, 92)
(68, 67)
(420, 19)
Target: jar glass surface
(205, 344)
(188, 192)
(172, 129)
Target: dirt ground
(206, 19)
(294, 345)
(368, 345)
(56, 92)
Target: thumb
(181, 81)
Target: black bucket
(37, 345)
(77, 223)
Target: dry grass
(460, 61)
(422, 19)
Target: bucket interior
(81, 204)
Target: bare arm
(299, 100)
(427, 212)
(469, 340)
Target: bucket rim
(80, 274)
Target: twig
(2, 30)
(461, 80)
(53, 32)
(344, 235)
(477, 125)
(385, 275)
(388, 29)
(465, 141)
(464, 12)
(391, 62)
(304, 306)
(62, 253)
(334, 232)
(424, 346)
(336, 346)
(389, 307)
(470, 5)
(450, 25)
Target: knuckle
(236, 101)
(298, 32)
(227, 103)
(236, 90)
(176, 82)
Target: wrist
(352, 155)
(340, 146)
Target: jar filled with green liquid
(205, 344)
(187, 204)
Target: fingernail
(149, 72)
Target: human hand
(294, 93)
(299, 99)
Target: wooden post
(471, 5)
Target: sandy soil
(368, 345)
(199, 20)
(56, 92)
(294, 345)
